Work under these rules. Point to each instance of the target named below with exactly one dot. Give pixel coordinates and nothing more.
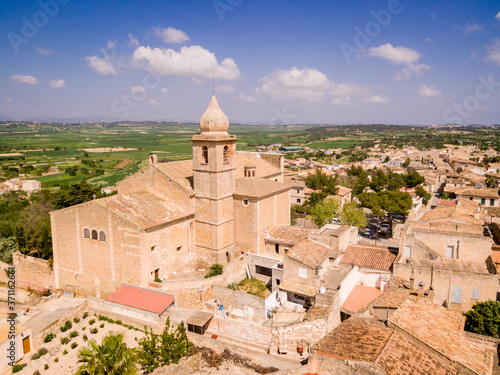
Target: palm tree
(112, 357)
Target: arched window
(94, 234)
(102, 236)
(204, 155)
(225, 155)
(86, 233)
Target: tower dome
(214, 120)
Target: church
(173, 216)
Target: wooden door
(26, 345)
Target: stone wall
(33, 273)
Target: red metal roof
(141, 299)
(360, 297)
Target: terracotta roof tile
(401, 357)
(146, 209)
(289, 235)
(180, 171)
(298, 288)
(310, 252)
(142, 299)
(258, 187)
(355, 341)
(372, 257)
(250, 159)
(442, 330)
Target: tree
(75, 194)
(323, 186)
(162, 350)
(490, 181)
(353, 215)
(413, 179)
(424, 194)
(112, 357)
(387, 159)
(8, 246)
(388, 201)
(323, 212)
(35, 237)
(484, 318)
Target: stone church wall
(33, 272)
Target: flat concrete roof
(142, 299)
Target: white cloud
(132, 41)
(428, 91)
(493, 52)
(164, 90)
(30, 80)
(348, 89)
(153, 102)
(194, 61)
(101, 65)
(429, 40)
(342, 101)
(400, 56)
(137, 89)
(44, 51)
(471, 28)
(247, 98)
(57, 84)
(306, 84)
(376, 99)
(498, 16)
(111, 44)
(171, 35)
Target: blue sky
(274, 62)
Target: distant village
(211, 242)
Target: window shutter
(475, 293)
(408, 251)
(456, 294)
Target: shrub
(67, 325)
(215, 270)
(49, 337)
(64, 340)
(84, 328)
(93, 331)
(85, 338)
(35, 356)
(56, 359)
(102, 325)
(74, 345)
(85, 314)
(73, 334)
(42, 351)
(65, 352)
(38, 372)
(76, 320)
(46, 367)
(17, 368)
(91, 321)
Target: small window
(286, 250)
(483, 201)
(102, 236)
(278, 281)
(492, 202)
(179, 248)
(449, 251)
(298, 191)
(408, 251)
(298, 200)
(475, 293)
(153, 248)
(86, 233)
(456, 294)
(303, 273)
(94, 235)
(225, 155)
(245, 202)
(277, 248)
(204, 155)
(471, 198)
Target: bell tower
(214, 178)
